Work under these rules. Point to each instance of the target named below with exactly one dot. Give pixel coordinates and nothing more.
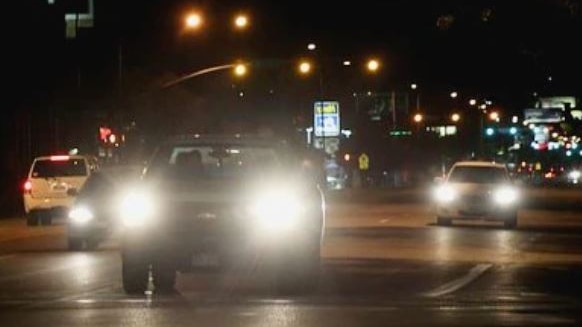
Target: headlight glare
(136, 209)
(80, 215)
(445, 194)
(276, 210)
(505, 195)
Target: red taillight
(27, 186)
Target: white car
(52, 184)
(477, 190)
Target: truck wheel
(75, 244)
(32, 218)
(164, 277)
(135, 273)
(300, 274)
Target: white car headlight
(445, 194)
(80, 215)
(575, 175)
(505, 195)
(136, 209)
(276, 210)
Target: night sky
(498, 49)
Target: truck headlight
(505, 195)
(276, 210)
(80, 215)
(137, 209)
(445, 194)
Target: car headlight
(80, 215)
(574, 174)
(505, 195)
(137, 209)
(445, 194)
(276, 210)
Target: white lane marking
(461, 282)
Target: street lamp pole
(313, 47)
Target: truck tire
(299, 273)
(135, 273)
(164, 276)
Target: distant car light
(574, 175)
(505, 195)
(276, 210)
(80, 215)
(136, 209)
(445, 194)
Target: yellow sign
(364, 162)
(327, 107)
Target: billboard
(326, 119)
(557, 102)
(546, 115)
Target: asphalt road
(385, 264)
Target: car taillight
(27, 186)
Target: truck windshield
(213, 161)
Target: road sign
(326, 118)
(364, 162)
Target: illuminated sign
(557, 102)
(326, 118)
(547, 115)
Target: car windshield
(214, 161)
(59, 168)
(478, 175)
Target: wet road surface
(385, 264)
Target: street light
(304, 67)
(373, 65)
(418, 118)
(455, 117)
(494, 115)
(193, 21)
(241, 22)
(414, 87)
(454, 94)
(311, 47)
(347, 63)
(472, 102)
(240, 70)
